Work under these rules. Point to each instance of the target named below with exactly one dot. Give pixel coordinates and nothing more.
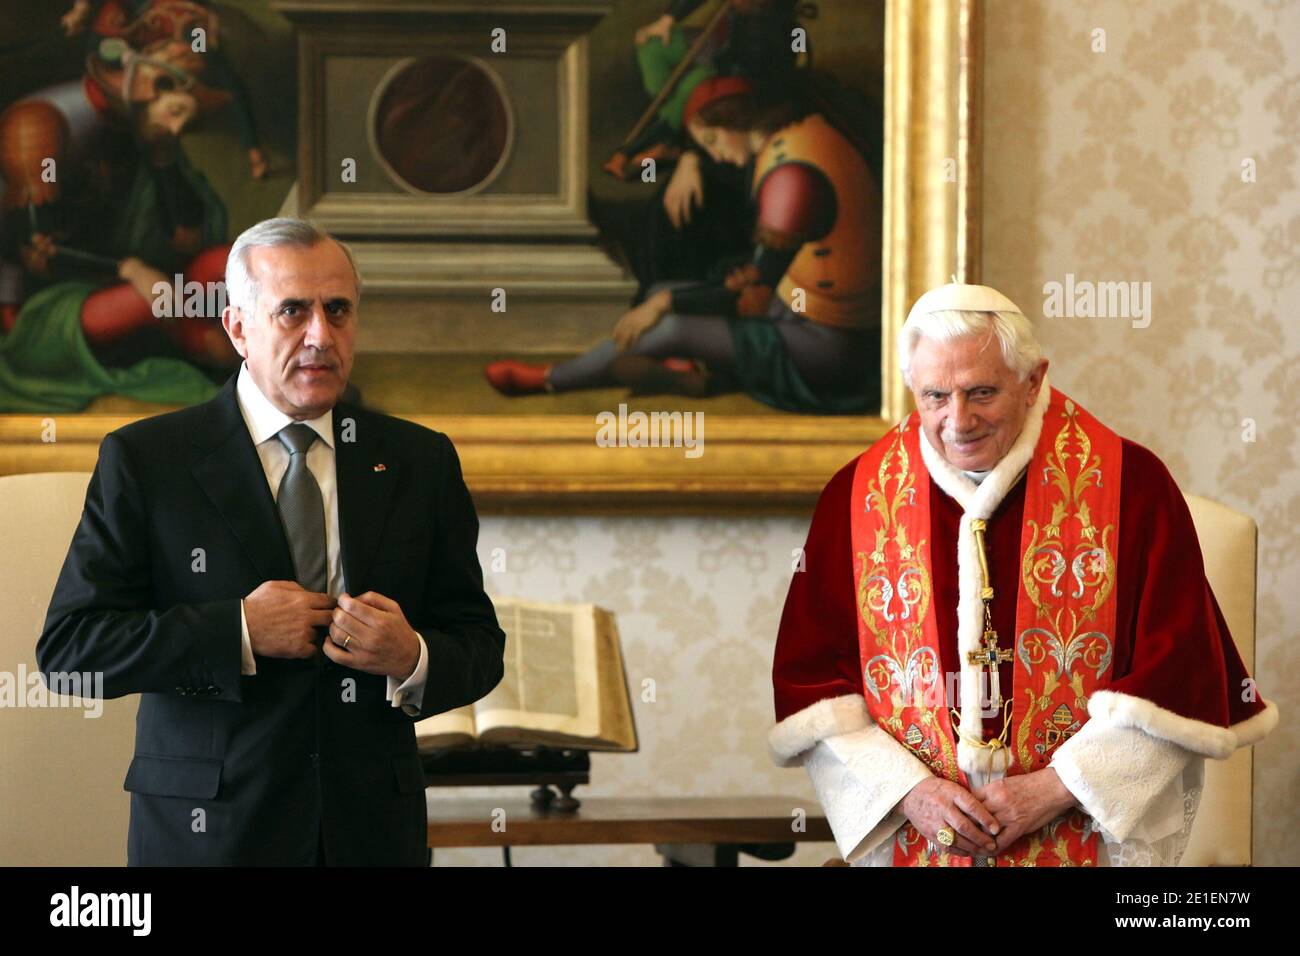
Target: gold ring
(946, 836)
(345, 641)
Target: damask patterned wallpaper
(1118, 156)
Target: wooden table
(686, 831)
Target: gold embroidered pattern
(910, 587)
(894, 592)
(1062, 614)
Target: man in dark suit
(288, 581)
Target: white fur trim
(826, 718)
(980, 501)
(1210, 740)
(1254, 729)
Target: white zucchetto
(958, 295)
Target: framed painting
(635, 256)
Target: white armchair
(1221, 834)
(62, 783)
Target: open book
(564, 685)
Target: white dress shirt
(264, 423)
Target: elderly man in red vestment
(1002, 649)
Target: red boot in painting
(510, 377)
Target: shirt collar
(264, 420)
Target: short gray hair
(1014, 334)
(241, 287)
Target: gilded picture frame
(753, 463)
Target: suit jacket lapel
(367, 474)
(230, 473)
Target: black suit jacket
(231, 769)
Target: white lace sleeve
(1125, 779)
(1166, 850)
(1141, 792)
(860, 777)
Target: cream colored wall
(1122, 165)
(1126, 165)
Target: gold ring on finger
(946, 836)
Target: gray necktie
(302, 509)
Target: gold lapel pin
(381, 467)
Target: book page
(450, 727)
(550, 670)
(618, 727)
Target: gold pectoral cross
(988, 655)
